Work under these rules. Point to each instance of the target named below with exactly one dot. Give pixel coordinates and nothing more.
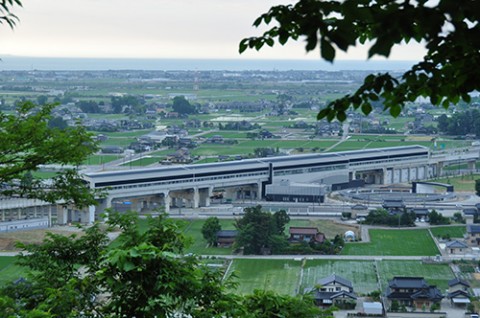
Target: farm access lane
(326, 257)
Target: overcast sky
(150, 29)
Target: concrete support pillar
(168, 201)
(209, 194)
(90, 214)
(439, 169)
(35, 211)
(62, 214)
(50, 207)
(19, 213)
(384, 176)
(196, 198)
(259, 191)
(471, 165)
(3, 215)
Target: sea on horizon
(16, 63)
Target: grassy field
(9, 271)
(281, 276)
(395, 242)
(101, 159)
(193, 230)
(144, 161)
(435, 274)
(452, 231)
(461, 183)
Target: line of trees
(461, 123)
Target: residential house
(456, 247)
(473, 235)
(112, 149)
(458, 292)
(413, 292)
(305, 234)
(333, 290)
(421, 213)
(226, 238)
(182, 155)
(394, 206)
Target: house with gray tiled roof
(458, 292)
(456, 247)
(413, 292)
(473, 234)
(333, 290)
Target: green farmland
(415, 242)
(9, 272)
(360, 273)
(283, 276)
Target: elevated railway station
(194, 186)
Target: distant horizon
(41, 63)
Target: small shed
(372, 308)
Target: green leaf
(323, 113)
(242, 46)
(326, 50)
(366, 108)
(381, 47)
(341, 116)
(395, 110)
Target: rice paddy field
(415, 242)
(290, 276)
(456, 231)
(360, 273)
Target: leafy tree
(26, 142)
(477, 187)
(448, 29)
(436, 218)
(90, 106)
(266, 304)
(458, 217)
(54, 284)
(210, 229)
(281, 218)
(182, 106)
(133, 103)
(57, 122)
(256, 231)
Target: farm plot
(281, 276)
(360, 273)
(451, 231)
(435, 274)
(395, 243)
(10, 272)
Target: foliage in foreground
(448, 29)
(145, 275)
(27, 142)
